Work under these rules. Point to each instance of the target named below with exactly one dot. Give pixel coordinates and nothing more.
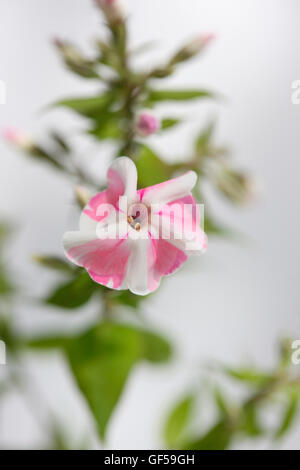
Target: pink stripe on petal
(93, 205)
(121, 181)
(116, 186)
(179, 222)
(105, 260)
(167, 259)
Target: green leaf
(127, 298)
(288, 417)
(177, 421)
(168, 123)
(249, 376)
(6, 287)
(250, 423)
(155, 347)
(221, 402)
(178, 95)
(4, 233)
(101, 360)
(92, 107)
(151, 169)
(108, 128)
(204, 138)
(75, 293)
(217, 438)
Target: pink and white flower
(121, 241)
(146, 123)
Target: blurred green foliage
(102, 357)
(277, 391)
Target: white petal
(137, 271)
(73, 239)
(171, 190)
(126, 170)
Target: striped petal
(171, 190)
(105, 259)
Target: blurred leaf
(55, 262)
(249, 376)
(155, 347)
(250, 424)
(128, 298)
(108, 128)
(285, 347)
(218, 438)
(92, 107)
(178, 420)
(40, 153)
(109, 56)
(204, 138)
(168, 123)
(178, 95)
(102, 358)
(6, 287)
(151, 169)
(221, 402)
(288, 418)
(73, 294)
(4, 232)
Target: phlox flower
(129, 238)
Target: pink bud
(194, 46)
(146, 123)
(18, 138)
(208, 37)
(58, 42)
(114, 10)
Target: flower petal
(121, 180)
(179, 222)
(170, 190)
(104, 259)
(167, 259)
(151, 259)
(138, 267)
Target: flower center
(137, 216)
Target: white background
(234, 303)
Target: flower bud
(82, 195)
(146, 123)
(18, 138)
(237, 186)
(75, 60)
(114, 10)
(192, 48)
